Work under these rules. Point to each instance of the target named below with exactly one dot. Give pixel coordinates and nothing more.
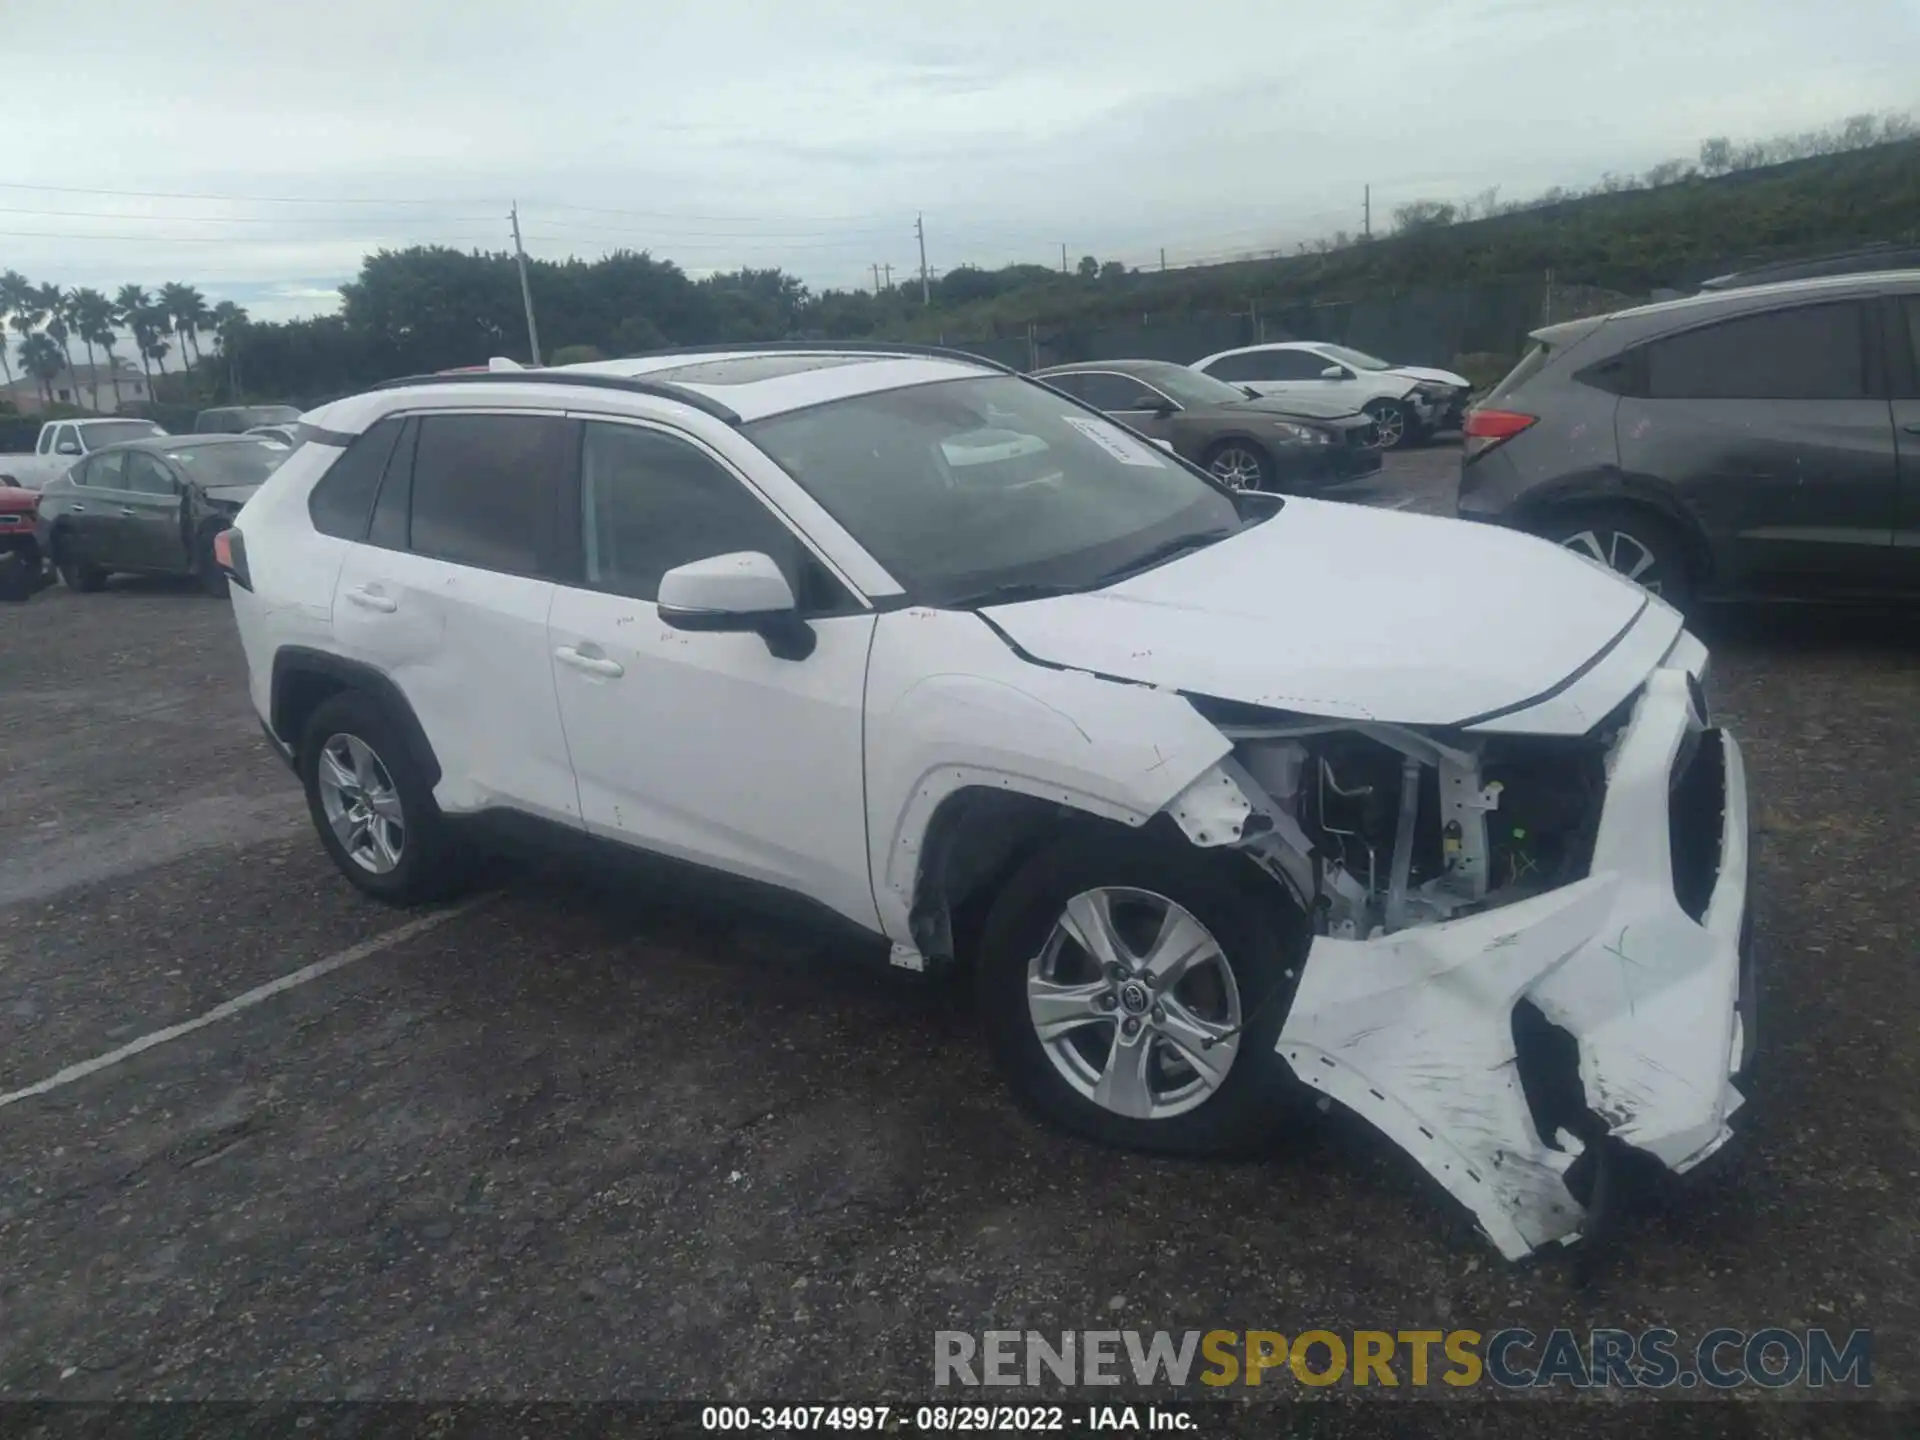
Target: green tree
(187, 316)
(41, 358)
(230, 323)
(16, 294)
(1088, 267)
(53, 300)
(93, 315)
(131, 307)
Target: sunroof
(746, 369)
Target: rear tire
(1232, 1098)
(76, 573)
(1632, 542)
(382, 827)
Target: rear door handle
(592, 664)
(128, 510)
(76, 509)
(367, 600)
(1912, 427)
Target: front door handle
(367, 600)
(128, 510)
(76, 509)
(592, 664)
(1912, 427)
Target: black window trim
(1136, 380)
(345, 444)
(1873, 373)
(572, 568)
(1900, 321)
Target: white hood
(1422, 372)
(1341, 611)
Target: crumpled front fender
(1414, 1031)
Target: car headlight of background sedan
(1301, 434)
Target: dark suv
(1756, 441)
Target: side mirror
(68, 447)
(1336, 372)
(741, 591)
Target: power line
(231, 199)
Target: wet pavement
(575, 1144)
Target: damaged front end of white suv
(1527, 946)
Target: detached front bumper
(1640, 964)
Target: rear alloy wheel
(76, 573)
(1632, 544)
(1239, 465)
(372, 805)
(1393, 427)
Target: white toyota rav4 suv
(1217, 792)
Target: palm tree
(230, 325)
(156, 349)
(187, 309)
(93, 321)
(54, 300)
(41, 358)
(25, 314)
(16, 294)
(130, 306)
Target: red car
(22, 568)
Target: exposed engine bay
(1400, 828)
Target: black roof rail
(632, 384)
(827, 347)
(1869, 259)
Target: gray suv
(1757, 441)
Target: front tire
(1631, 542)
(206, 569)
(1107, 965)
(1393, 424)
(372, 806)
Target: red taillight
(230, 554)
(1485, 429)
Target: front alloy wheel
(1238, 467)
(1133, 1002)
(1390, 427)
(362, 804)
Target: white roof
(752, 383)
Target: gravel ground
(572, 1144)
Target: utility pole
(876, 277)
(887, 269)
(1163, 258)
(1366, 232)
(1063, 257)
(920, 230)
(526, 292)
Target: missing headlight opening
(1408, 830)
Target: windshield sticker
(1115, 441)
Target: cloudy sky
(259, 150)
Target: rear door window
(485, 487)
(1810, 352)
(1255, 365)
(106, 471)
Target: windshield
(114, 432)
(968, 486)
(247, 464)
(1354, 359)
(1190, 387)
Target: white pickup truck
(64, 443)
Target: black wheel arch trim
(292, 661)
(1617, 487)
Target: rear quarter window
(1530, 365)
(342, 503)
